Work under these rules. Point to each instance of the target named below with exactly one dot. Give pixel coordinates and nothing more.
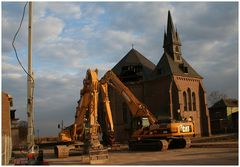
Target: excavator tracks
(180, 143)
(160, 145)
(149, 145)
(98, 156)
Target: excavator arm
(76, 130)
(108, 119)
(106, 102)
(85, 130)
(87, 104)
(137, 108)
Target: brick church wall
(184, 85)
(156, 97)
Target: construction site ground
(214, 150)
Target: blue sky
(69, 38)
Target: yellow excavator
(83, 135)
(149, 133)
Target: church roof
(133, 57)
(167, 66)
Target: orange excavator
(149, 133)
(83, 135)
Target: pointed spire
(171, 43)
(165, 39)
(170, 26)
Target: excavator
(149, 133)
(83, 134)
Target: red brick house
(6, 129)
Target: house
(6, 128)
(224, 116)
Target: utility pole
(30, 84)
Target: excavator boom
(137, 108)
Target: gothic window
(177, 49)
(185, 70)
(194, 101)
(185, 100)
(189, 100)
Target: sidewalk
(216, 141)
(215, 145)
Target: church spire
(165, 40)
(172, 44)
(170, 26)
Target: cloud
(69, 38)
(47, 30)
(9, 68)
(63, 10)
(9, 28)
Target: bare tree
(215, 96)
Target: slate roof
(133, 57)
(169, 67)
(225, 103)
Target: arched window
(176, 49)
(185, 100)
(194, 101)
(189, 100)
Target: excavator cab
(139, 123)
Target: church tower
(172, 89)
(172, 43)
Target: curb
(215, 145)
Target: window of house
(185, 100)
(194, 101)
(189, 100)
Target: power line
(14, 38)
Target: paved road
(191, 156)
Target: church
(170, 89)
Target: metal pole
(30, 138)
